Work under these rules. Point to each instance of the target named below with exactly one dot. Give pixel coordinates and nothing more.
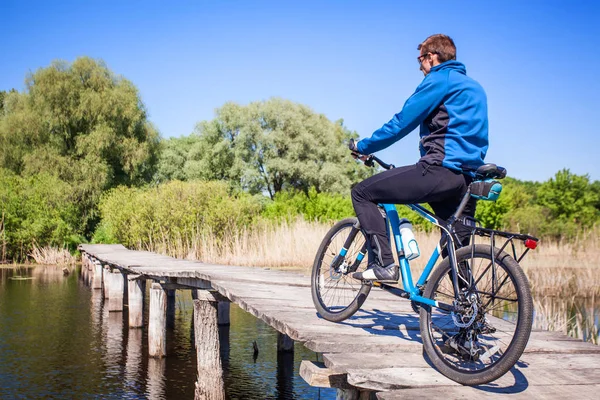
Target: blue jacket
(451, 109)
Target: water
(58, 341)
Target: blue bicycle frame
(411, 290)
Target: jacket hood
(451, 64)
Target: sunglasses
(422, 57)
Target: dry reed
(52, 256)
(556, 270)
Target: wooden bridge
(375, 354)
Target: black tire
(338, 296)
(503, 314)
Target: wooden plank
(316, 374)
(342, 362)
(519, 392)
(399, 378)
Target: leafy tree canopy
(82, 124)
(266, 147)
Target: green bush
(172, 212)
(36, 210)
(313, 207)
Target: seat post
(461, 207)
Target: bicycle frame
(411, 290)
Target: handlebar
(370, 158)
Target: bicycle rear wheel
(336, 295)
(483, 341)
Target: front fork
(340, 258)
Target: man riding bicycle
(451, 110)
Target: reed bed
(52, 256)
(576, 317)
(554, 269)
(563, 276)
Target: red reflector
(530, 244)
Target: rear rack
(530, 242)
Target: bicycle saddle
(490, 171)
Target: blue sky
(355, 60)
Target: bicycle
(475, 308)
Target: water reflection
(133, 363)
(156, 388)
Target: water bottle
(411, 248)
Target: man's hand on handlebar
(354, 151)
(368, 160)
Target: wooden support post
(285, 372)
(115, 291)
(97, 281)
(210, 383)
(136, 289)
(83, 271)
(90, 275)
(157, 326)
(284, 343)
(223, 312)
(105, 279)
(171, 308)
(83, 262)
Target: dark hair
(439, 44)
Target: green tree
(82, 124)
(36, 209)
(570, 198)
(267, 147)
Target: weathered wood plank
(519, 392)
(342, 362)
(316, 374)
(410, 377)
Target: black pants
(442, 188)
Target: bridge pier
(223, 312)
(105, 274)
(84, 269)
(115, 291)
(210, 384)
(97, 280)
(171, 308)
(136, 288)
(284, 343)
(157, 324)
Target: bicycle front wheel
(483, 340)
(336, 295)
